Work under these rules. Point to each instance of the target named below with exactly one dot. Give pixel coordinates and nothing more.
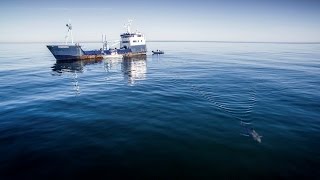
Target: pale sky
(201, 20)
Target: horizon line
(257, 42)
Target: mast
(105, 45)
(69, 33)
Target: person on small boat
(157, 52)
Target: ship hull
(66, 52)
(75, 52)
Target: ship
(131, 44)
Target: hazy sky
(215, 20)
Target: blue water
(187, 113)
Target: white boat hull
(112, 56)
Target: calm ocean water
(184, 114)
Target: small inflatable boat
(158, 52)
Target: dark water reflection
(61, 67)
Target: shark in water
(255, 135)
(251, 132)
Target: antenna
(128, 26)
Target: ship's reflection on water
(59, 68)
(132, 69)
(67, 68)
